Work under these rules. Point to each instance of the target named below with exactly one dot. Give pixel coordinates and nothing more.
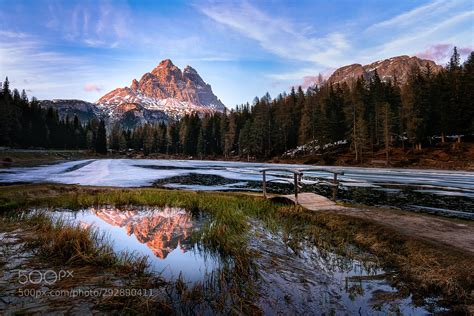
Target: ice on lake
(224, 175)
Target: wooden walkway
(310, 201)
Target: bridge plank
(312, 201)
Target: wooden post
(264, 184)
(296, 187)
(334, 188)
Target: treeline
(25, 124)
(370, 115)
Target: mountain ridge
(395, 69)
(167, 92)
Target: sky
(84, 49)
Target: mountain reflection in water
(162, 234)
(161, 231)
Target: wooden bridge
(308, 200)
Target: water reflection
(162, 234)
(298, 276)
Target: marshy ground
(274, 257)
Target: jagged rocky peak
(134, 85)
(395, 69)
(191, 74)
(167, 70)
(167, 89)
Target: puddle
(313, 279)
(162, 234)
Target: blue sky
(83, 49)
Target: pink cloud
(92, 87)
(441, 52)
(309, 81)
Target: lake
(449, 193)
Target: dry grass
(424, 269)
(226, 235)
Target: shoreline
(34, 157)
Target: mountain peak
(166, 90)
(189, 69)
(134, 85)
(166, 63)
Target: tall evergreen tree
(101, 141)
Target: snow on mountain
(165, 89)
(165, 92)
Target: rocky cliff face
(165, 89)
(395, 69)
(165, 92)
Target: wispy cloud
(101, 24)
(45, 70)
(73, 49)
(277, 35)
(412, 41)
(412, 17)
(13, 35)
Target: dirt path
(454, 233)
(451, 232)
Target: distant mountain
(85, 111)
(395, 68)
(165, 92)
(165, 89)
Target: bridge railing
(297, 177)
(335, 182)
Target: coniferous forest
(24, 124)
(369, 115)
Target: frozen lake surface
(418, 189)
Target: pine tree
(101, 140)
(359, 130)
(467, 95)
(307, 127)
(230, 137)
(148, 139)
(6, 114)
(416, 107)
(454, 61)
(387, 124)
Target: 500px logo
(48, 276)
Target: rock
(395, 69)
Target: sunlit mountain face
(162, 231)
